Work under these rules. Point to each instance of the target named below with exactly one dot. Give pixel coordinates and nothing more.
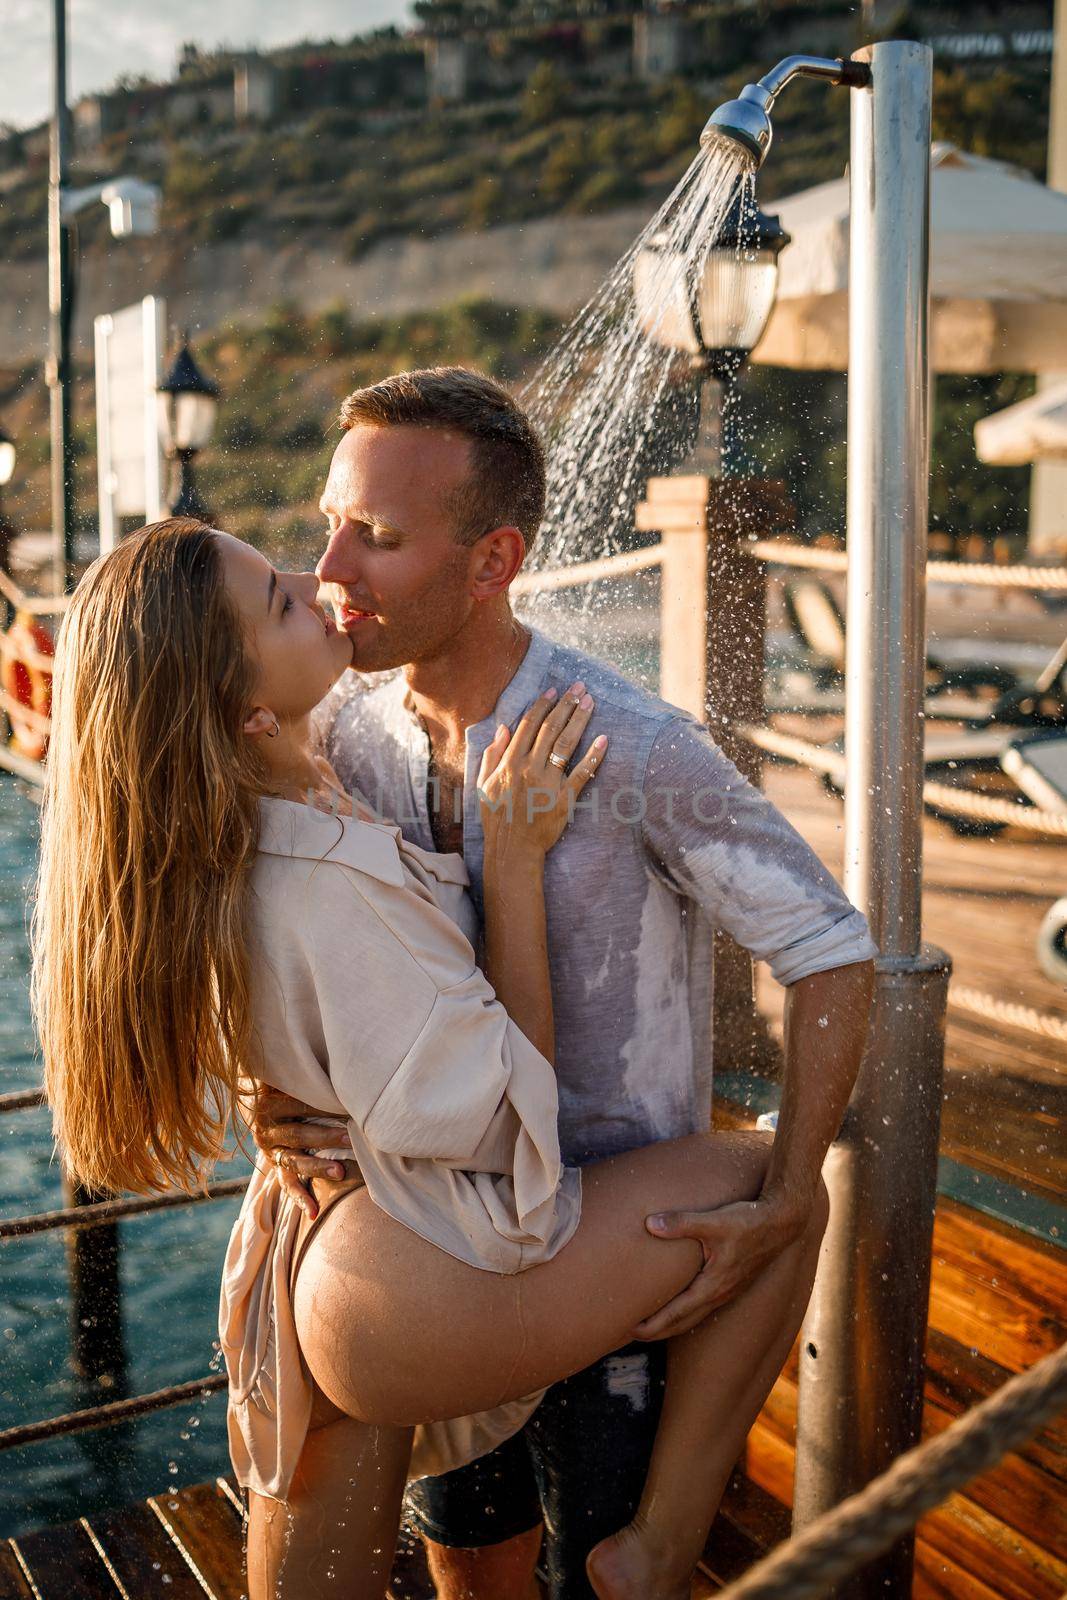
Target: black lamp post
(188, 405)
(133, 207)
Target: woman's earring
(272, 733)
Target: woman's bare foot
(630, 1566)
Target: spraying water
(605, 394)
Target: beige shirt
(369, 1005)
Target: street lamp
(188, 404)
(133, 207)
(717, 315)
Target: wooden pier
(998, 1298)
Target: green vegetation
(283, 377)
(374, 163)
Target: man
(434, 493)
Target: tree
(545, 97)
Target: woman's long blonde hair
(140, 983)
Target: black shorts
(578, 1465)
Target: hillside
(358, 148)
(282, 378)
(355, 153)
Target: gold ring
(558, 761)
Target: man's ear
(497, 558)
(260, 720)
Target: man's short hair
(506, 485)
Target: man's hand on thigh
(496, 1572)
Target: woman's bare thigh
(394, 1330)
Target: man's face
(400, 582)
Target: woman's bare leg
(718, 1376)
(492, 1338)
(335, 1537)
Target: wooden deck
(998, 1298)
(983, 901)
(998, 1303)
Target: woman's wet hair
(149, 826)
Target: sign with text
(130, 468)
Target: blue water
(170, 1274)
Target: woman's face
(298, 649)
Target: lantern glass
(736, 298)
(7, 461)
(186, 420)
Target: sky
(106, 38)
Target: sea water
(170, 1264)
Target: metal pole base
(863, 1342)
(98, 1348)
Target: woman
(199, 918)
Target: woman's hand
(527, 795)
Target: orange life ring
(28, 682)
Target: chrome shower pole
(861, 1364)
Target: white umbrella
(998, 272)
(1031, 430)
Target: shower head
(746, 122)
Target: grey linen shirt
(668, 844)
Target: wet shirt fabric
(669, 843)
(369, 1006)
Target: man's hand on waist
(283, 1132)
(739, 1241)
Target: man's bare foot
(628, 1566)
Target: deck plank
(143, 1556)
(207, 1531)
(749, 1524)
(62, 1563)
(13, 1585)
(1014, 1566)
(411, 1578)
(1006, 1088)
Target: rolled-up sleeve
(720, 842)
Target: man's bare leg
(497, 1572)
(718, 1377)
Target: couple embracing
(430, 899)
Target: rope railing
(21, 1100)
(983, 574)
(979, 807)
(552, 579)
(41, 605)
(993, 1009)
(113, 1411)
(862, 1527)
(98, 1212)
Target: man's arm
(826, 1019)
(721, 843)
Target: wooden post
(712, 632)
(98, 1348)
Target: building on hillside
(663, 44)
(256, 89)
(455, 68)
